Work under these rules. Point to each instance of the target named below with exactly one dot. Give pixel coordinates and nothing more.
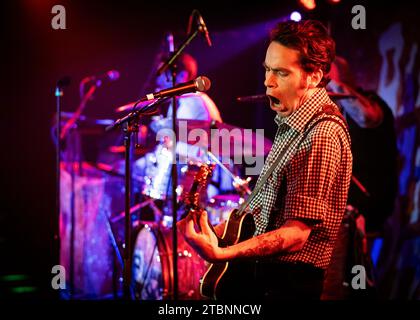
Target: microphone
(201, 84)
(253, 99)
(203, 28)
(264, 98)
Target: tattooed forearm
(289, 238)
(264, 247)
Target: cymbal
(189, 124)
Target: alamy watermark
(242, 146)
(359, 280)
(359, 20)
(59, 20)
(59, 279)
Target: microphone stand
(60, 137)
(129, 124)
(58, 94)
(174, 175)
(170, 64)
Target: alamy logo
(59, 20)
(359, 20)
(59, 280)
(359, 280)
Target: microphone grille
(202, 83)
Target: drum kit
(151, 216)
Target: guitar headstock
(192, 199)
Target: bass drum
(152, 271)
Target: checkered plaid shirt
(311, 181)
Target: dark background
(126, 36)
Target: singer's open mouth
(274, 100)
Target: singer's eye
(282, 73)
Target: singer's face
(285, 80)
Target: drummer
(195, 106)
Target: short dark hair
(185, 62)
(311, 39)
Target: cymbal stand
(129, 125)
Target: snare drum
(153, 269)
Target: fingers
(204, 224)
(190, 229)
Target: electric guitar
(225, 280)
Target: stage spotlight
(308, 4)
(295, 16)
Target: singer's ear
(314, 78)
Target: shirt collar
(298, 119)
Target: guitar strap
(326, 110)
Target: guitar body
(227, 280)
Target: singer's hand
(199, 235)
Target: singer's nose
(270, 81)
